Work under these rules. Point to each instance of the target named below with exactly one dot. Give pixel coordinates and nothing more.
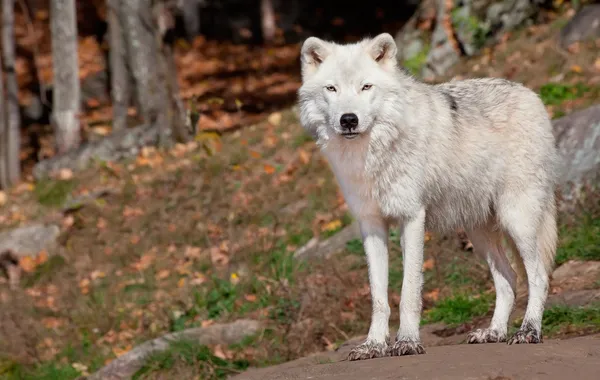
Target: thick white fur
(477, 154)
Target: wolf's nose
(349, 121)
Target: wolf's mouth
(350, 135)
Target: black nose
(349, 121)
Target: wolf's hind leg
(487, 243)
(533, 230)
(375, 237)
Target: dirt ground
(575, 358)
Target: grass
(560, 318)
(458, 309)
(53, 192)
(557, 93)
(199, 359)
(580, 241)
(416, 63)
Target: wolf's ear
(313, 53)
(383, 49)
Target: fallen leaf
(597, 64)
(68, 221)
(163, 274)
(118, 351)
(332, 226)
(144, 262)
(269, 169)
(192, 252)
(27, 263)
(207, 323)
(428, 264)
(304, 156)
(433, 295)
(250, 297)
(218, 257)
(181, 283)
(51, 322)
(97, 274)
(3, 198)
(576, 69)
(65, 174)
(41, 257)
(198, 279)
(101, 224)
(134, 239)
(254, 154)
(81, 368)
(274, 119)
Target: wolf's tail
(548, 236)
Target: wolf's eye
(367, 87)
(330, 88)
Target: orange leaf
(269, 169)
(162, 274)
(332, 226)
(181, 283)
(218, 257)
(27, 263)
(433, 295)
(428, 264)
(304, 156)
(250, 297)
(254, 154)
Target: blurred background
(155, 180)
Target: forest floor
(206, 233)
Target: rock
(327, 248)
(584, 25)
(574, 298)
(578, 141)
(576, 275)
(117, 146)
(509, 14)
(555, 359)
(29, 240)
(126, 365)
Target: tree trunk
(142, 52)
(66, 87)
(3, 142)
(13, 116)
(267, 19)
(118, 67)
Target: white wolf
(477, 154)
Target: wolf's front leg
(412, 240)
(375, 238)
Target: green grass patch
(556, 93)
(199, 357)
(458, 309)
(45, 271)
(53, 193)
(580, 241)
(416, 63)
(559, 317)
(46, 371)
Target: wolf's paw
(526, 334)
(485, 336)
(405, 346)
(368, 350)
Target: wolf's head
(345, 86)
